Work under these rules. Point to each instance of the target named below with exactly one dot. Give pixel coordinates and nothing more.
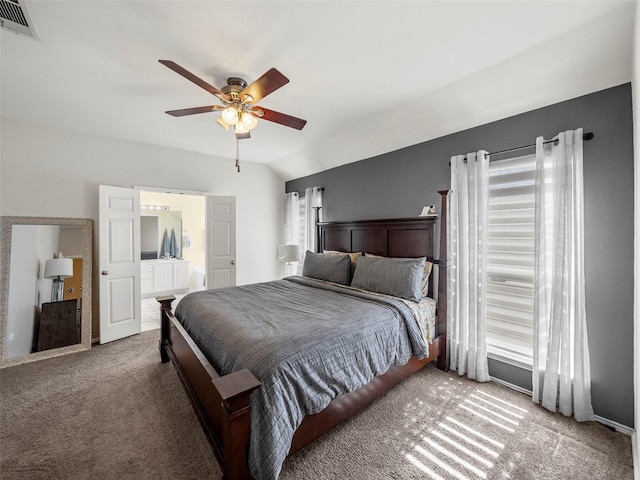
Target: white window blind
(510, 260)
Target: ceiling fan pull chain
(238, 155)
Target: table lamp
(58, 269)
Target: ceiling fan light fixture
(240, 127)
(230, 115)
(249, 121)
(222, 123)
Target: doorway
(125, 275)
(178, 215)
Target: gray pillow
(332, 268)
(400, 277)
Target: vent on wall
(15, 17)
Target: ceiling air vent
(15, 17)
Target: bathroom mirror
(45, 287)
(160, 233)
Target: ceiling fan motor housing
(234, 86)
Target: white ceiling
(369, 77)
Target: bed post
(165, 306)
(443, 363)
(235, 392)
(318, 234)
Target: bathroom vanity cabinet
(163, 276)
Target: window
(510, 260)
(302, 229)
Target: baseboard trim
(634, 452)
(615, 425)
(605, 421)
(511, 386)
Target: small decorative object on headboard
(429, 211)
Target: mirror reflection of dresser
(59, 325)
(36, 320)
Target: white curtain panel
(313, 198)
(291, 227)
(561, 370)
(467, 246)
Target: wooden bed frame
(222, 403)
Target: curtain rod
(586, 136)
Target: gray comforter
(306, 340)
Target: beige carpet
(115, 412)
(150, 309)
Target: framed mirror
(45, 287)
(160, 232)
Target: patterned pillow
(428, 266)
(332, 268)
(401, 277)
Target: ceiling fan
(238, 102)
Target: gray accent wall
(398, 184)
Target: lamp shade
(249, 121)
(230, 115)
(58, 268)
(288, 253)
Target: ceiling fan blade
(191, 111)
(266, 84)
(281, 118)
(190, 76)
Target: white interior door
(119, 262)
(221, 242)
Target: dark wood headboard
(399, 237)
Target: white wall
(55, 172)
(70, 241)
(47, 247)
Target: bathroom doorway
(179, 223)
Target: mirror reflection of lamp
(58, 269)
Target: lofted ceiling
(369, 77)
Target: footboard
(221, 403)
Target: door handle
(105, 272)
(232, 262)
